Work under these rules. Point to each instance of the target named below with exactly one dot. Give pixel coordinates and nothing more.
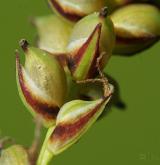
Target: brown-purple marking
(144, 41)
(135, 40)
(73, 16)
(48, 112)
(24, 44)
(62, 58)
(63, 132)
(74, 61)
(93, 69)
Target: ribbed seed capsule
(137, 27)
(14, 155)
(91, 36)
(73, 120)
(74, 10)
(53, 33)
(41, 83)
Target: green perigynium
(137, 26)
(53, 36)
(91, 36)
(41, 83)
(53, 33)
(14, 155)
(73, 120)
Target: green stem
(45, 155)
(45, 158)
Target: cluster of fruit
(74, 46)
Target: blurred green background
(131, 136)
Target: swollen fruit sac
(91, 36)
(53, 33)
(73, 120)
(137, 27)
(41, 83)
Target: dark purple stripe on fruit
(63, 132)
(47, 111)
(66, 13)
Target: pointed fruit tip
(103, 12)
(24, 44)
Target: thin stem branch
(34, 149)
(105, 82)
(45, 155)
